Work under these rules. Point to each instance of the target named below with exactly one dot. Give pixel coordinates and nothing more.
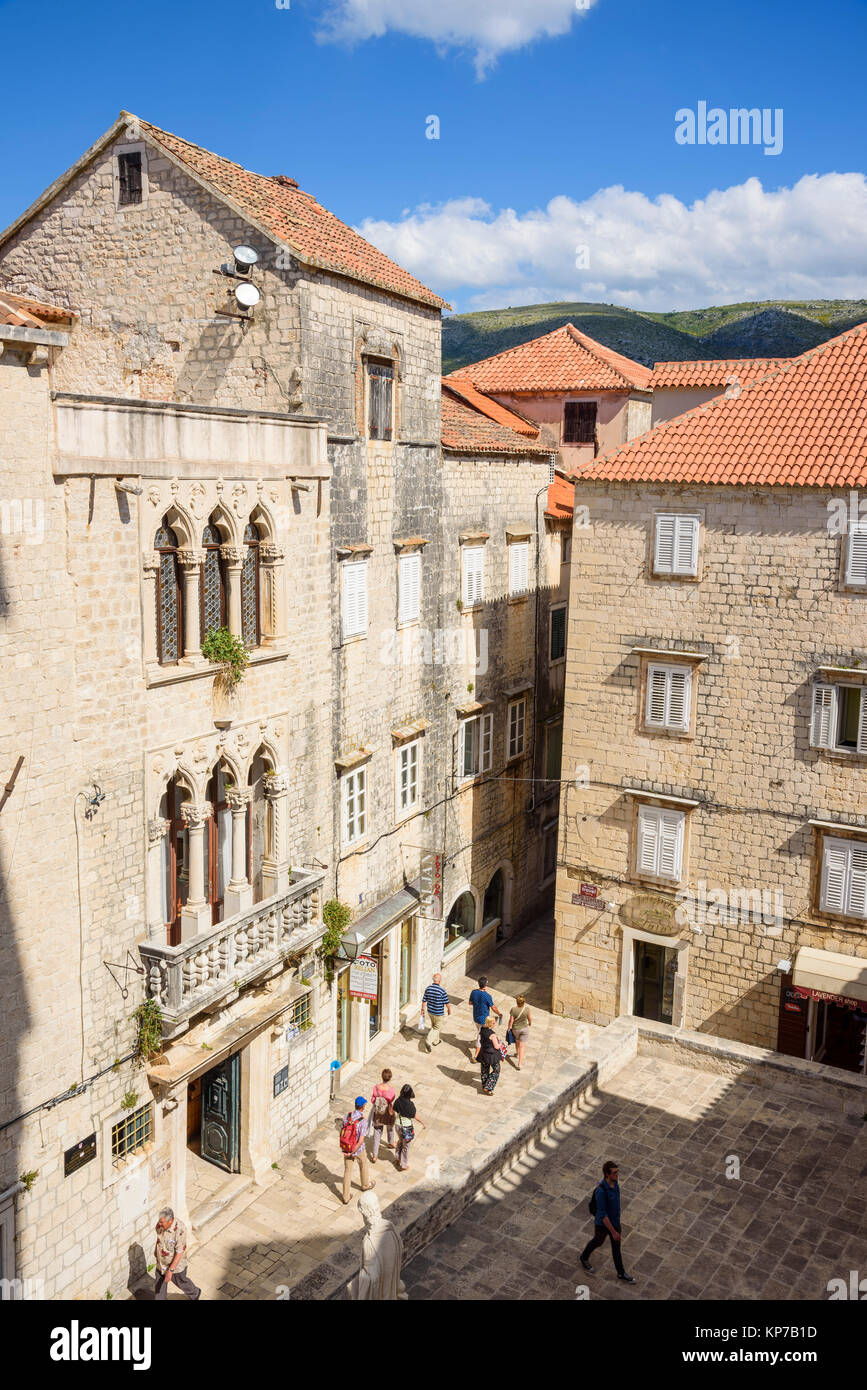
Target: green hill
(771, 328)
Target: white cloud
(737, 243)
(486, 28)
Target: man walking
(353, 1142)
(170, 1255)
(482, 1005)
(437, 1001)
(607, 1218)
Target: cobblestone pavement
(296, 1221)
(795, 1218)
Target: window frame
(483, 742)
(587, 433)
(678, 518)
(851, 846)
(519, 548)
(405, 750)
(644, 812)
(468, 550)
(519, 722)
(357, 564)
(856, 529)
(387, 371)
(668, 669)
(560, 607)
(140, 149)
(353, 784)
(179, 590)
(830, 698)
(409, 562)
(119, 1160)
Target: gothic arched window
(250, 627)
(170, 644)
(213, 592)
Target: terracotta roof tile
(564, 360)
(295, 218)
(491, 408)
(561, 498)
(708, 373)
(23, 311)
(803, 425)
(469, 431)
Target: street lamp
(351, 945)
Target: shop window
(461, 921)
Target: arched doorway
(461, 921)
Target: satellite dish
(247, 296)
(245, 255)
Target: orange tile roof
(23, 311)
(564, 360)
(804, 425)
(707, 373)
(561, 498)
(469, 431)
(294, 217)
(492, 408)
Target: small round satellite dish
(247, 296)
(245, 255)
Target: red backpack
(349, 1135)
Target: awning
(400, 904)
(829, 972)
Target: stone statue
(381, 1256)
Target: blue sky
(556, 173)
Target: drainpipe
(12, 1191)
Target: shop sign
(823, 997)
(364, 979)
(588, 897)
(281, 1080)
(431, 884)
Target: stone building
(584, 398)
(677, 387)
(713, 860)
(227, 409)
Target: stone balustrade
(188, 979)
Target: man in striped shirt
(437, 1001)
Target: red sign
(588, 890)
(802, 992)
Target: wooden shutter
(487, 742)
(856, 556)
(656, 686)
(558, 633)
(856, 904)
(679, 680)
(648, 839)
(862, 720)
(823, 720)
(409, 585)
(835, 863)
(519, 552)
(354, 598)
(473, 560)
(663, 549)
(670, 844)
(686, 545)
(792, 1022)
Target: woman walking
(383, 1113)
(407, 1116)
(520, 1023)
(490, 1056)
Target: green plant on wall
(29, 1179)
(129, 1100)
(149, 1031)
(228, 652)
(335, 915)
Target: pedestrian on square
(383, 1116)
(353, 1133)
(605, 1208)
(170, 1256)
(482, 1004)
(490, 1055)
(437, 1001)
(407, 1118)
(520, 1023)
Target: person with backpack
(407, 1115)
(605, 1210)
(490, 1055)
(353, 1133)
(383, 1116)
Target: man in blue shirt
(607, 1220)
(482, 1004)
(437, 1001)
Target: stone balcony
(206, 972)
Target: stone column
(255, 1096)
(158, 829)
(174, 1109)
(233, 559)
(239, 890)
(196, 912)
(275, 863)
(271, 580)
(191, 563)
(150, 565)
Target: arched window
(218, 844)
(170, 618)
(493, 904)
(250, 627)
(174, 881)
(213, 582)
(461, 921)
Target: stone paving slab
(688, 1230)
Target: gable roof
(466, 430)
(563, 360)
(274, 205)
(491, 408)
(804, 425)
(708, 373)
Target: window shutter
(487, 742)
(519, 567)
(656, 683)
(856, 557)
(678, 698)
(834, 866)
(856, 905)
(663, 552)
(648, 839)
(824, 702)
(466, 759)
(862, 721)
(686, 545)
(473, 558)
(670, 844)
(354, 598)
(409, 585)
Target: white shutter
(473, 562)
(354, 575)
(822, 725)
(679, 680)
(862, 721)
(467, 747)
(663, 550)
(409, 585)
(487, 742)
(656, 684)
(835, 863)
(686, 545)
(670, 844)
(856, 555)
(648, 839)
(856, 904)
(519, 569)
